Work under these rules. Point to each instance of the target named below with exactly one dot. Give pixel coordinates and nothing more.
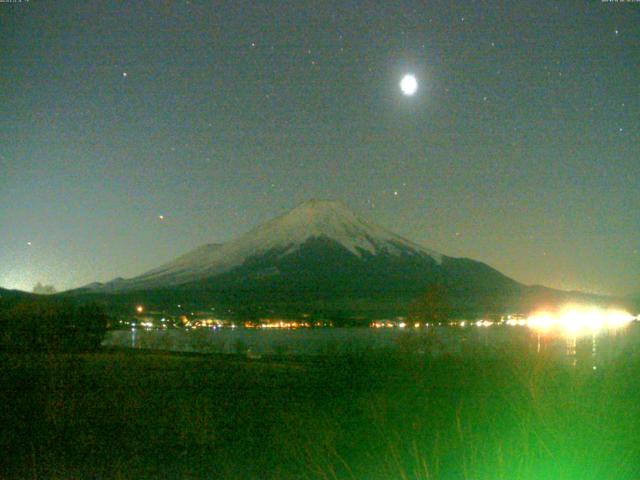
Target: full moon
(409, 84)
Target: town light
(580, 319)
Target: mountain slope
(321, 257)
(11, 294)
(277, 238)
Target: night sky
(132, 132)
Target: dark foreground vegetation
(33, 323)
(126, 414)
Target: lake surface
(436, 341)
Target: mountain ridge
(310, 219)
(321, 257)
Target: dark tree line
(51, 325)
(434, 305)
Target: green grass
(123, 414)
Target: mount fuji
(319, 255)
(314, 222)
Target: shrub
(51, 325)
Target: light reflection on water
(594, 349)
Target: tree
(432, 306)
(44, 289)
(45, 324)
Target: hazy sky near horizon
(132, 132)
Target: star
(29, 243)
(124, 74)
(617, 32)
(161, 217)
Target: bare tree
(44, 289)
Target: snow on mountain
(284, 234)
(329, 219)
(188, 264)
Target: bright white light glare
(576, 319)
(483, 323)
(541, 321)
(409, 84)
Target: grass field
(126, 414)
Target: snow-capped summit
(331, 220)
(322, 257)
(314, 219)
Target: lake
(595, 348)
